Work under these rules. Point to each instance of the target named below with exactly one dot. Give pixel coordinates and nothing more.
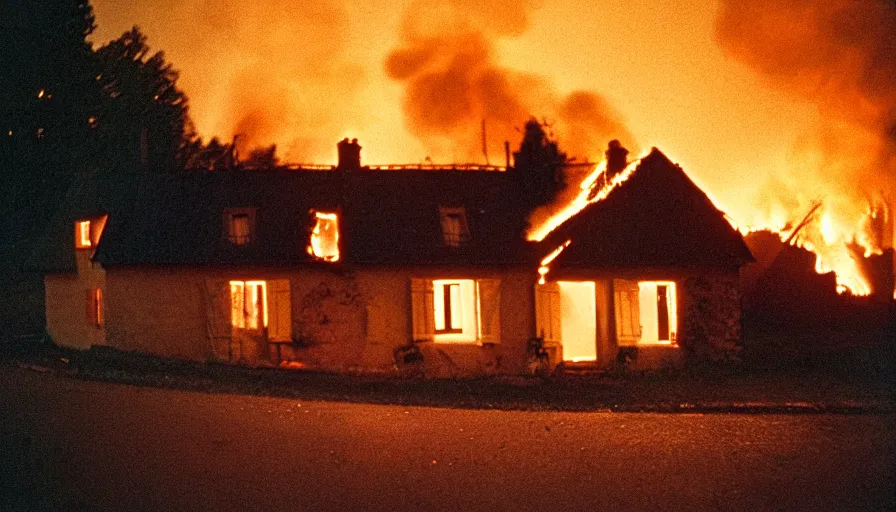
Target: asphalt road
(75, 445)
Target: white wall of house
(69, 322)
(352, 321)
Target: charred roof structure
(656, 218)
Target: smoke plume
(266, 71)
(841, 56)
(454, 82)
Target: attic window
(82, 235)
(88, 232)
(454, 226)
(324, 243)
(239, 225)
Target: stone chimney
(617, 158)
(349, 155)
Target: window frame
(318, 217)
(228, 231)
(447, 319)
(88, 231)
(248, 288)
(447, 216)
(82, 229)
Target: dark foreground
(846, 384)
(70, 444)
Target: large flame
(547, 218)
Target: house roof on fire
(657, 218)
(385, 217)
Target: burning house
(365, 268)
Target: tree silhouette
(48, 92)
(144, 115)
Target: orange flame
(584, 197)
(325, 237)
(546, 262)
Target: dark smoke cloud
(453, 81)
(838, 54)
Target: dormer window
(454, 226)
(324, 243)
(239, 225)
(88, 232)
(82, 235)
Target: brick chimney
(349, 155)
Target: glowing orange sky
(655, 61)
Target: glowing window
(88, 232)
(325, 237)
(95, 307)
(239, 225)
(248, 304)
(82, 235)
(454, 226)
(658, 313)
(455, 308)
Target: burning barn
(364, 268)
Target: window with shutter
(455, 310)
(658, 312)
(279, 310)
(548, 313)
(219, 305)
(627, 312)
(422, 310)
(248, 304)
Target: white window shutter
(547, 312)
(627, 311)
(279, 310)
(218, 304)
(422, 309)
(489, 294)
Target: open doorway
(578, 320)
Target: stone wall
(710, 316)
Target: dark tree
(539, 164)
(48, 93)
(143, 122)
